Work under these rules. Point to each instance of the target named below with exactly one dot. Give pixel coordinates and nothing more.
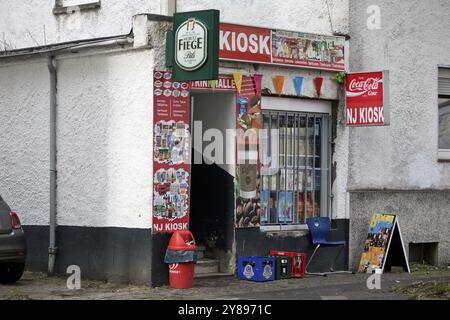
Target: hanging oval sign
(191, 45)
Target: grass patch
(425, 289)
(426, 269)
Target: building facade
(105, 56)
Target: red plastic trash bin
(181, 275)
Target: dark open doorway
(212, 185)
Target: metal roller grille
(299, 189)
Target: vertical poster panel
(375, 247)
(247, 191)
(171, 154)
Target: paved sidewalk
(334, 287)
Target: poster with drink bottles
(171, 155)
(375, 246)
(248, 123)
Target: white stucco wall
(296, 15)
(105, 106)
(32, 23)
(24, 136)
(412, 41)
(104, 140)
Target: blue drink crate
(256, 268)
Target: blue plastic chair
(319, 229)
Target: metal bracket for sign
(386, 98)
(170, 50)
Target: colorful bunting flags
(318, 81)
(258, 83)
(298, 83)
(213, 84)
(279, 82)
(237, 77)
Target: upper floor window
(69, 6)
(444, 113)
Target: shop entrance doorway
(212, 181)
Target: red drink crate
(298, 259)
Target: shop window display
(297, 188)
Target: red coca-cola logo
(369, 87)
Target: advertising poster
(268, 46)
(308, 50)
(375, 247)
(247, 194)
(285, 207)
(171, 118)
(367, 98)
(265, 206)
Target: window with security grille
(295, 167)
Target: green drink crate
(283, 265)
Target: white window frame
(443, 154)
(300, 106)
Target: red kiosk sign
(280, 47)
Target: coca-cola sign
(366, 98)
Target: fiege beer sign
(191, 45)
(366, 98)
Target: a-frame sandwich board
(395, 252)
(384, 246)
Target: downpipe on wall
(52, 249)
(50, 52)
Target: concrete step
(212, 275)
(207, 266)
(200, 252)
(200, 248)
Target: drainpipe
(52, 249)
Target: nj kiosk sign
(195, 45)
(367, 96)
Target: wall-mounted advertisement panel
(247, 181)
(367, 96)
(290, 48)
(171, 118)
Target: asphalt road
(36, 286)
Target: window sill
(71, 9)
(278, 228)
(444, 155)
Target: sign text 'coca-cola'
(366, 98)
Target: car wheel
(11, 272)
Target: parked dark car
(12, 245)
